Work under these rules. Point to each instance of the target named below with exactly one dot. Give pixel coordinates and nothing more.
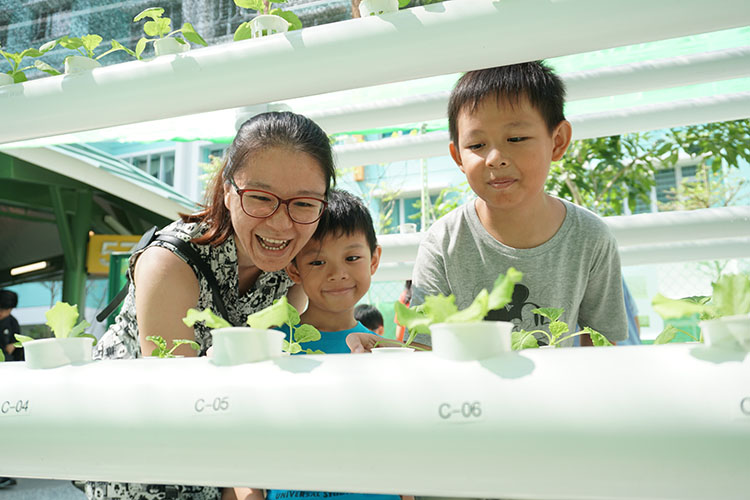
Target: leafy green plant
(244, 31)
(557, 330)
(15, 60)
(731, 296)
(161, 27)
(62, 320)
(85, 46)
(281, 312)
(161, 350)
(442, 309)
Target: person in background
(631, 310)
(506, 126)
(371, 317)
(9, 326)
(405, 299)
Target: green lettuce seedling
(731, 296)
(281, 312)
(557, 330)
(161, 350)
(442, 309)
(244, 31)
(207, 316)
(62, 321)
(15, 59)
(85, 46)
(161, 27)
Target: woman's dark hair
(346, 215)
(533, 80)
(263, 131)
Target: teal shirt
(330, 342)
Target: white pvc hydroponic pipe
(635, 77)
(443, 38)
(649, 117)
(586, 423)
(680, 236)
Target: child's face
(335, 272)
(505, 152)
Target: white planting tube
(444, 38)
(588, 420)
(649, 117)
(643, 76)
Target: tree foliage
(605, 173)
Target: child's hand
(362, 342)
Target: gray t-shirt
(578, 269)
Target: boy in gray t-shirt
(506, 127)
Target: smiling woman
(244, 236)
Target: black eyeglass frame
(279, 202)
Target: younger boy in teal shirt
(335, 269)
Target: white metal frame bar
(445, 38)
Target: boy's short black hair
(532, 80)
(346, 215)
(369, 316)
(8, 299)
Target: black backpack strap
(192, 256)
(188, 251)
(145, 241)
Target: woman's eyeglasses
(262, 204)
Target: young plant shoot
(731, 296)
(84, 46)
(557, 330)
(281, 312)
(161, 27)
(62, 320)
(442, 309)
(161, 350)
(244, 31)
(15, 60)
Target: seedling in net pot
(245, 30)
(62, 320)
(442, 309)
(160, 28)
(15, 60)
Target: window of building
(158, 165)
(397, 211)
(227, 17)
(52, 23)
(666, 179)
(4, 23)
